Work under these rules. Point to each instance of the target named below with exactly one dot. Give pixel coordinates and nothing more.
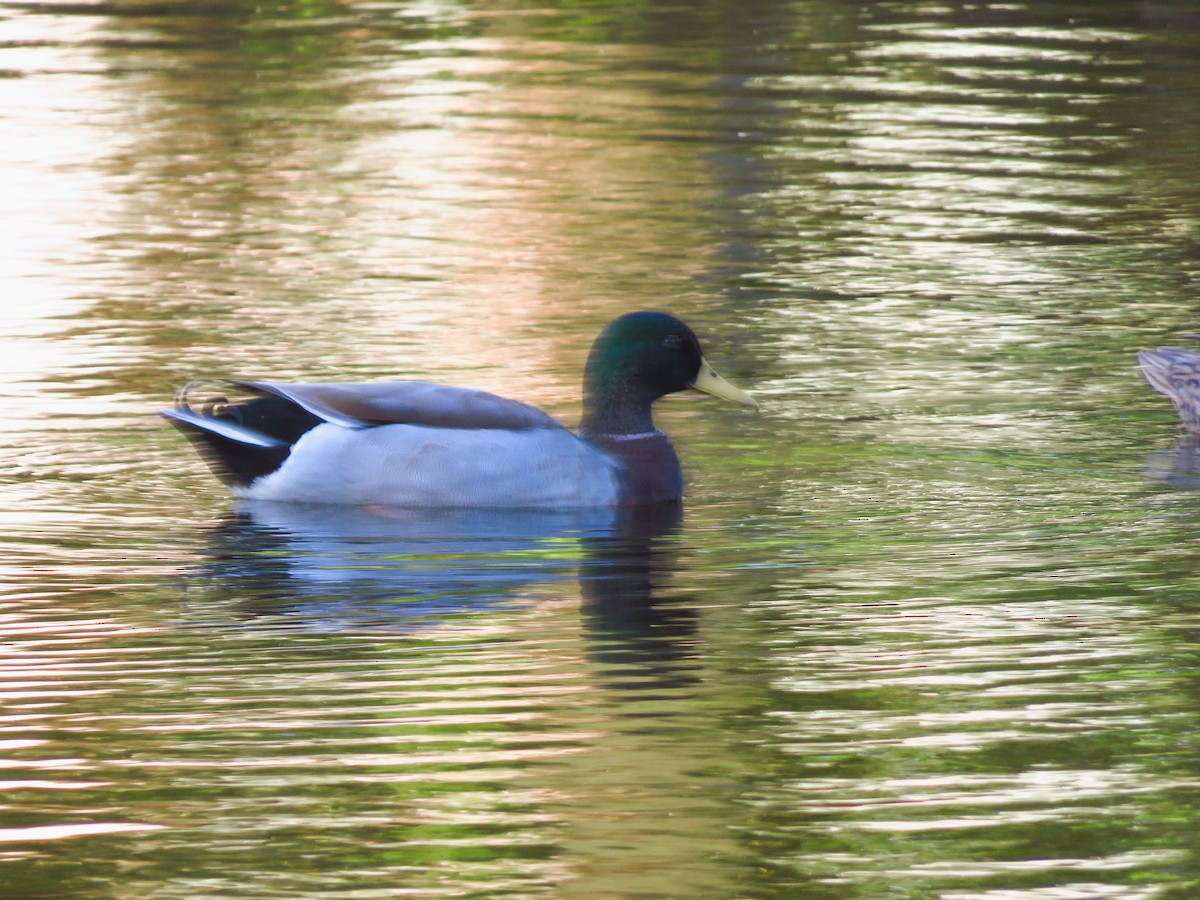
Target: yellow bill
(709, 382)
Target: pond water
(928, 624)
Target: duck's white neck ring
(631, 437)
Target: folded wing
(1175, 372)
(406, 403)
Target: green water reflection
(926, 626)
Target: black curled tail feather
(209, 407)
(240, 440)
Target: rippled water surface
(927, 624)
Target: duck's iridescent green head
(638, 358)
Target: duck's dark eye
(671, 342)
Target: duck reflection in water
(1175, 372)
(323, 568)
(640, 638)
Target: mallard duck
(1175, 372)
(413, 443)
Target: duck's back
(406, 403)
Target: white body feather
(416, 465)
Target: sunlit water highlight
(926, 625)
